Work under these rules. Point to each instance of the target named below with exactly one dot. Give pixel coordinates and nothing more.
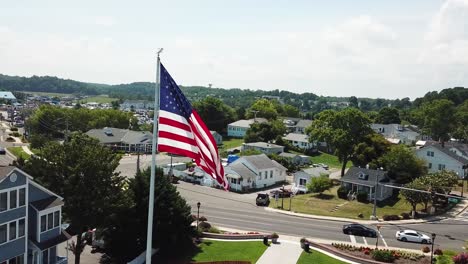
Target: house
(367, 180)
(239, 128)
(452, 157)
(7, 96)
(136, 105)
(263, 147)
(217, 137)
(252, 172)
(296, 159)
(302, 125)
(30, 220)
(299, 140)
(396, 133)
(123, 139)
(303, 177)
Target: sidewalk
(459, 208)
(27, 150)
(282, 252)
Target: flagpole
(149, 235)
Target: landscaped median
(19, 152)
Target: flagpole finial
(160, 50)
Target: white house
(370, 181)
(217, 137)
(302, 125)
(451, 157)
(263, 147)
(252, 172)
(303, 177)
(396, 133)
(299, 140)
(238, 128)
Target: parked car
(412, 236)
(2, 151)
(262, 199)
(281, 193)
(323, 165)
(359, 230)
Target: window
(12, 230)
(20, 228)
(43, 223)
(56, 218)
(271, 174)
(22, 197)
(260, 174)
(45, 256)
(50, 221)
(3, 233)
(302, 181)
(3, 201)
(441, 166)
(430, 153)
(13, 198)
(430, 165)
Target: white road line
(365, 241)
(383, 240)
(353, 239)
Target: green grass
(446, 258)
(49, 94)
(317, 257)
(18, 152)
(211, 250)
(101, 99)
(229, 143)
(331, 160)
(322, 205)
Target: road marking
(353, 239)
(365, 241)
(383, 240)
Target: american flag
(182, 132)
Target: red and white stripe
(191, 138)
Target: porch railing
(61, 260)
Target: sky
(366, 48)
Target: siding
(53, 254)
(20, 180)
(12, 249)
(50, 234)
(12, 214)
(32, 223)
(36, 194)
(440, 158)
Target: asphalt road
(239, 211)
(128, 163)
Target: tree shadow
(389, 202)
(324, 196)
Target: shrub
(405, 216)
(202, 219)
(461, 258)
(383, 255)
(10, 139)
(14, 129)
(426, 249)
(274, 235)
(438, 251)
(342, 192)
(204, 226)
(15, 134)
(214, 230)
(362, 197)
(391, 217)
(303, 240)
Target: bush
(213, 230)
(391, 217)
(10, 139)
(274, 235)
(426, 249)
(383, 255)
(15, 134)
(438, 251)
(405, 216)
(362, 197)
(14, 129)
(204, 226)
(342, 192)
(461, 258)
(202, 219)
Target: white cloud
(105, 21)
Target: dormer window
(363, 176)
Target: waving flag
(182, 132)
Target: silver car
(412, 236)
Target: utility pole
(374, 210)
(255, 114)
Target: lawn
(18, 152)
(49, 94)
(317, 257)
(229, 143)
(323, 205)
(101, 99)
(446, 258)
(331, 160)
(211, 250)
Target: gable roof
(247, 122)
(48, 202)
(242, 170)
(288, 155)
(304, 123)
(5, 171)
(352, 176)
(297, 137)
(7, 95)
(260, 162)
(445, 150)
(109, 135)
(263, 145)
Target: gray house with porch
(30, 220)
(367, 180)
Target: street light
(377, 238)
(198, 213)
(432, 250)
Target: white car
(412, 236)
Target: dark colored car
(2, 151)
(359, 230)
(281, 193)
(262, 199)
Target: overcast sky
(387, 49)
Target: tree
(216, 114)
(290, 111)
(126, 235)
(264, 132)
(461, 122)
(353, 102)
(342, 130)
(82, 171)
(388, 115)
(402, 164)
(265, 109)
(412, 197)
(370, 151)
(438, 119)
(319, 184)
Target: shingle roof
(64, 236)
(7, 95)
(248, 122)
(261, 162)
(137, 137)
(242, 170)
(352, 176)
(297, 137)
(110, 135)
(446, 150)
(47, 203)
(287, 155)
(394, 131)
(304, 123)
(5, 171)
(263, 145)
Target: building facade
(450, 157)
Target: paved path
(27, 150)
(283, 252)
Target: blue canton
(171, 98)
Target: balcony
(61, 260)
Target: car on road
(412, 236)
(262, 199)
(359, 230)
(2, 151)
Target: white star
(167, 105)
(173, 107)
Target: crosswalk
(463, 216)
(367, 241)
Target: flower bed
(383, 255)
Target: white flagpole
(149, 234)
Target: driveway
(128, 163)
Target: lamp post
(377, 238)
(198, 213)
(432, 250)
(374, 209)
(282, 198)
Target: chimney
(367, 166)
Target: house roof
(109, 135)
(287, 155)
(446, 150)
(297, 137)
(260, 162)
(352, 176)
(242, 170)
(263, 145)
(46, 203)
(7, 95)
(137, 137)
(395, 131)
(304, 123)
(64, 236)
(5, 171)
(246, 123)
(311, 172)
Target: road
(239, 211)
(128, 163)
